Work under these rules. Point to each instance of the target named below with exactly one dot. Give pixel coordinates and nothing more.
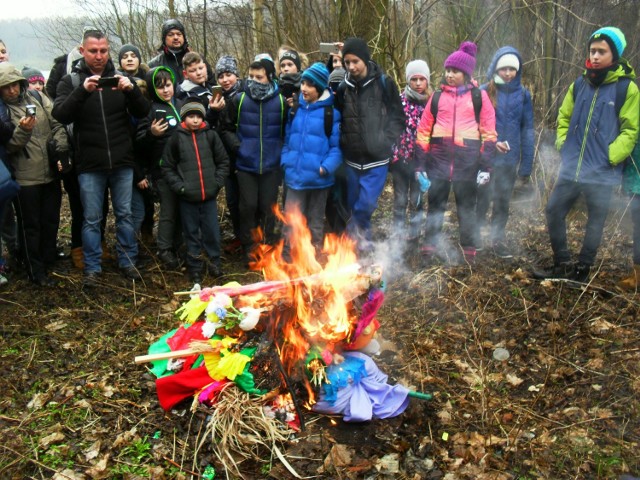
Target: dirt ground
(564, 405)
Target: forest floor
(564, 405)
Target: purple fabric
(367, 399)
(463, 59)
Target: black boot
(559, 270)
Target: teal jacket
(631, 176)
(592, 139)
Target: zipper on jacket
(260, 167)
(106, 130)
(453, 136)
(195, 146)
(586, 133)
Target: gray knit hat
(192, 107)
(227, 63)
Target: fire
(317, 290)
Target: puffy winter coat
(253, 130)
(148, 145)
(102, 129)
(195, 164)
(372, 118)
(593, 140)
(307, 147)
(514, 118)
(453, 146)
(27, 151)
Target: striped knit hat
(614, 37)
(318, 75)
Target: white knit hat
(508, 60)
(418, 67)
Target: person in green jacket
(597, 130)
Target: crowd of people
(175, 131)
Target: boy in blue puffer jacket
(310, 156)
(514, 148)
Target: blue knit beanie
(318, 75)
(614, 37)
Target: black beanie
(127, 47)
(357, 47)
(269, 68)
(173, 24)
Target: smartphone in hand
(108, 82)
(216, 90)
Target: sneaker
(130, 272)
(169, 259)
(91, 280)
(3, 280)
(561, 270)
(500, 250)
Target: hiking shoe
(561, 270)
(91, 280)
(130, 272)
(581, 273)
(169, 259)
(500, 250)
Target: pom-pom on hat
(225, 64)
(32, 75)
(508, 60)
(417, 67)
(293, 56)
(191, 108)
(614, 37)
(127, 47)
(318, 74)
(358, 47)
(463, 59)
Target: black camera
(31, 110)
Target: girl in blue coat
(514, 148)
(311, 153)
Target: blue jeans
(92, 187)
(137, 209)
(363, 190)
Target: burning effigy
(301, 339)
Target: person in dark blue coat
(310, 157)
(514, 148)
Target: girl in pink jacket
(455, 144)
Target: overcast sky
(13, 9)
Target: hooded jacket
(147, 145)
(253, 130)
(307, 148)
(102, 130)
(372, 118)
(195, 164)
(27, 151)
(453, 146)
(514, 117)
(593, 140)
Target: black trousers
(258, 194)
(38, 214)
(465, 195)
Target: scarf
(597, 75)
(260, 91)
(414, 96)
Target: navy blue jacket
(514, 118)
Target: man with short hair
(597, 129)
(99, 102)
(173, 49)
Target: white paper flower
(175, 364)
(250, 317)
(209, 328)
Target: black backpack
(622, 86)
(476, 98)
(328, 117)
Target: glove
(483, 178)
(423, 181)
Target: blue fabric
(592, 165)
(363, 190)
(514, 118)
(92, 187)
(260, 131)
(307, 147)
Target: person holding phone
(38, 202)
(514, 148)
(103, 152)
(290, 74)
(152, 134)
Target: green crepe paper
(245, 381)
(160, 366)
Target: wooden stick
(166, 355)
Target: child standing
(406, 191)
(514, 148)
(311, 152)
(196, 79)
(456, 141)
(195, 165)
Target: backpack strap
(476, 99)
(239, 107)
(622, 86)
(328, 120)
(75, 79)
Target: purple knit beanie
(463, 59)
